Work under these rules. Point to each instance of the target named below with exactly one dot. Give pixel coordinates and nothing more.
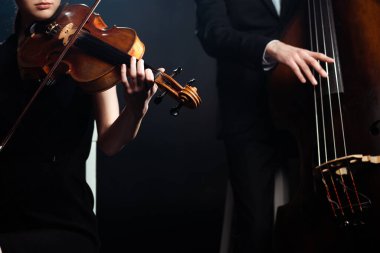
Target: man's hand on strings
(299, 60)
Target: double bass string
(316, 110)
(323, 5)
(339, 86)
(338, 74)
(324, 31)
(314, 31)
(320, 86)
(333, 44)
(314, 90)
(323, 41)
(328, 40)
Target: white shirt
(267, 62)
(277, 5)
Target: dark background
(165, 191)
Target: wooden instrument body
(306, 223)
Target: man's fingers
(306, 70)
(317, 66)
(293, 65)
(301, 61)
(322, 57)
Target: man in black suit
(243, 36)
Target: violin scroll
(186, 96)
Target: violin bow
(48, 78)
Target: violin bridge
(66, 32)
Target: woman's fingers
(141, 77)
(133, 73)
(149, 77)
(124, 78)
(136, 78)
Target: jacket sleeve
(220, 40)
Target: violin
(94, 59)
(77, 42)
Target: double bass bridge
(345, 188)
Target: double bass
(336, 124)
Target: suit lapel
(271, 7)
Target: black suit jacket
(236, 32)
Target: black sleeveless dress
(45, 202)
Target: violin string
(314, 89)
(324, 31)
(320, 85)
(337, 70)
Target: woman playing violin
(45, 203)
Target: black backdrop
(165, 191)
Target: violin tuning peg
(158, 99)
(175, 111)
(191, 81)
(176, 72)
